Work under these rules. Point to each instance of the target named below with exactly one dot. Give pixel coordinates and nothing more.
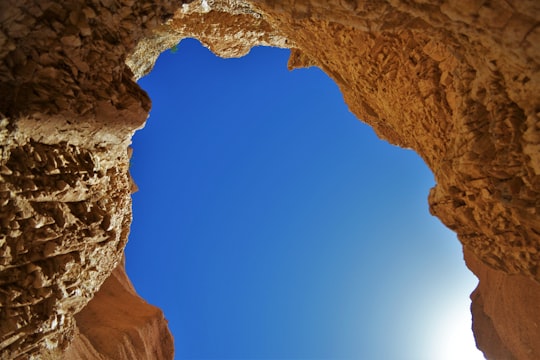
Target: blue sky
(271, 224)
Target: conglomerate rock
(455, 80)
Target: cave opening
(271, 223)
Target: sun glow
(451, 342)
(285, 234)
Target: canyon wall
(455, 80)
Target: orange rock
(455, 80)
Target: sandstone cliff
(455, 80)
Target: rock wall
(455, 80)
(69, 106)
(118, 324)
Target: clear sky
(271, 224)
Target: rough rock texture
(65, 209)
(455, 80)
(69, 107)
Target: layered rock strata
(455, 80)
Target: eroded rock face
(65, 219)
(69, 107)
(118, 324)
(455, 80)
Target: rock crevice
(455, 80)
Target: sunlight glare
(452, 342)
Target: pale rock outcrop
(455, 80)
